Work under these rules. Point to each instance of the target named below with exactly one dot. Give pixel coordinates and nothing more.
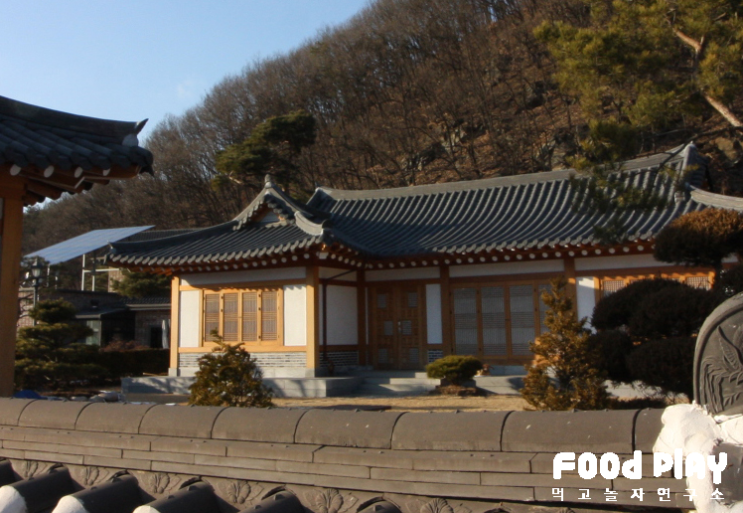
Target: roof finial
(268, 181)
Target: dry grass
(414, 403)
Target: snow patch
(11, 501)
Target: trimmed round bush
(729, 283)
(614, 348)
(666, 364)
(615, 310)
(456, 369)
(671, 312)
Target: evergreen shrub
(228, 376)
(567, 371)
(665, 363)
(456, 369)
(614, 347)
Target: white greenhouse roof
(85, 243)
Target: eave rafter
(340, 256)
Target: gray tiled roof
(67, 151)
(498, 214)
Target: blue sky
(135, 59)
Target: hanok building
(396, 278)
(43, 154)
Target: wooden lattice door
(398, 326)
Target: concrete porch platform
(283, 387)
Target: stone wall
(471, 461)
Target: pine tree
(701, 239)
(565, 373)
(229, 377)
(141, 284)
(273, 147)
(50, 355)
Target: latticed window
(609, 287)
(249, 316)
(499, 320)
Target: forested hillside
(423, 91)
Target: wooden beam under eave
(123, 173)
(43, 189)
(11, 219)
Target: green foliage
(665, 363)
(615, 310)
(637, 69)
(658, 319)
(729, 283)
(136, 284)
(229, 377)
(566, 372)
(671, 312)
(614, 347)
(136, 362)
(644, 65)
(272, 147)
(701, 238)
(48, 354)
(456, 369)
(57, 311)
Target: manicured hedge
(122, 364)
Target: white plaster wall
(342, 316)
(586, 296)
(499, 269)
(295, 315)
(286, 273)
(330, 272)
(189, 317)
(417, 273)
(617, 262)
(433, 314)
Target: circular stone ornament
(718, 364)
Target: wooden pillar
(447, 334)
(572, 288)
(11, 222)
(361, 314)
(313, 317)
(175, 315)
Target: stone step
(409, 389)
(402, 381)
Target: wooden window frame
(278, 342)
(507, 284)
(630, 277)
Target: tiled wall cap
(347, 428)
(576, 431)
(52, 414)
(183, 421)
(647, 429)
(471, 431)
(258, 424)
(113, 417)
(11, 409)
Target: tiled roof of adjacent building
(492, 216)
(60, 152)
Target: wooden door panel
(398, 323)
